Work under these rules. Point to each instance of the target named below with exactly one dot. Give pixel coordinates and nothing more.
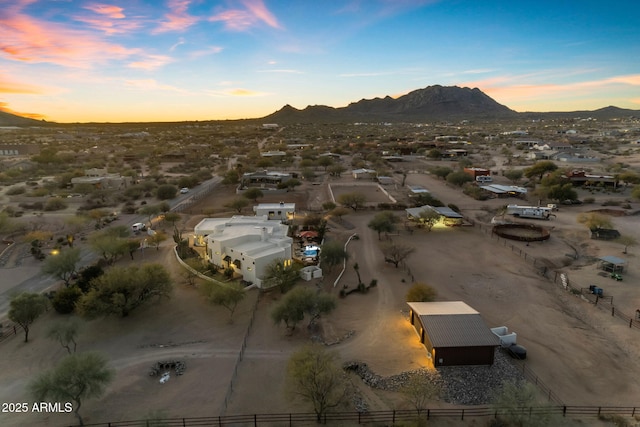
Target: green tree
(429, 218)
(421, 292)
(156, 238)
(300, 301)
(336, 169)
(238, 204)
(395, 253)
(513, 175)
(225, 296)
(76, 378)
(441, 171)
(166, 192)
(65, 332)
(123, 289)
(626, 241)
(383, 222)
(459, 178)
(281, 274)
(512, 404)
(635, 193)
(354, 201)
(595, 220)
(172, 218)
(110, 243)
(332, 253)
(562, 192)
(325, 162)
(629, 177)
(315, 376)
(62, 265)
(539, 169)
(418, 390)
(25, 308)
(339, 212)
(150, 211)
(434, 153)
(65, 299)
(253, 193)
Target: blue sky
(136, 60)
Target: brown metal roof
(458, 330)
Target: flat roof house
(247, 244)
(453, 333)
(276, 211)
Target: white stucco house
(276, 211)
(245, 243)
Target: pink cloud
(32, 40)
(260, 11)
(240, 20)
(113, 12)
(503, 87)
(151, 62)
(178, 18)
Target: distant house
(453, 333)
(448, 216)
(527, 142)
(476, 172)
(581, 177)
(246, 244)
(101, 179)
(415, 190)
(363, 173)
(276, 211)
(263, 180)
(12, 150)
(273, 154)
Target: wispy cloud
(254, 13)
(151, 62)
(178, 17)
(205, 52)
(176, 44)
(28, 39)
(107, 18)
(282, 71)
(506, 87)
(235, 92)
(111, 11)
(9, 86)
(151, 85)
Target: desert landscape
(578, 350)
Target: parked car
(517, 351)
(184, 190)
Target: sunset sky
(172, 60)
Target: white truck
(535, 212)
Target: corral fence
(229, 393)
(605, 302)
(8, 330)
(542, 387)
(387, 417)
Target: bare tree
(395, 253)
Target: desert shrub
(13, 191)
(64, 301)
(38, 192)
(589, 199)
(35, 206)
(55, 204)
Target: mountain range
(433, 103)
